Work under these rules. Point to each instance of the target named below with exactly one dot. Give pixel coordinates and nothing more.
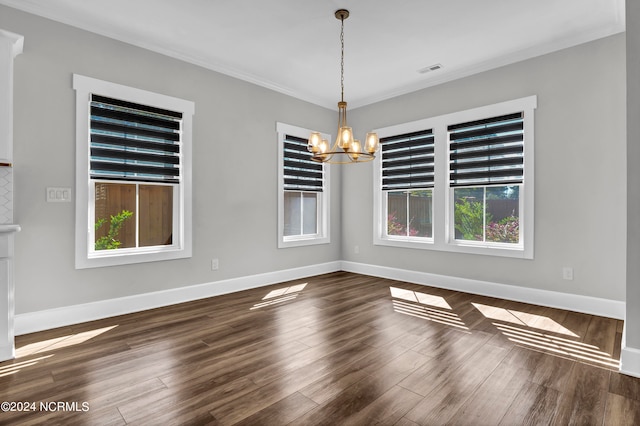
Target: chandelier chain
(342, 59)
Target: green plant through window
(487, 214)
(111, 241)
(469, 219)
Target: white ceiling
(293, 46)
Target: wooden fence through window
(154, 218)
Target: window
(303, 205)
(460, 182)
(133, 175)
(407, 182)
(485, 173)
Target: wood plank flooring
(335, 349)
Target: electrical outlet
(214, 264)
(356, 249)
(567, 273)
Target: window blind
(300, 172)
(134, 142)
(487, 152)
(407, 160)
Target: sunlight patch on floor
(558, 346)
(285, 290)
(425, 306)
(416, 296)
(541, 333)
(280, 295)
(60, 342)
(17, 366)
(523, 318)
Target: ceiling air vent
(430, 68)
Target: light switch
(58, 195)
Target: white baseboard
(630, 362)
(7, 352)
(629, 358)
(572, 302)
(52, 318)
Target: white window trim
(182, 246)
(442, 200)
(322, 236)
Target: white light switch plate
(58, 195)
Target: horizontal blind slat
(303, 157)
(303, 174)
(413, 152)
(488, 164)
(302, 185)
(116, 141)
(497, 129)
(307, 166)
(505, 117)
(393, 145)
(495, 141)
(415, 170)
(164, 174)
(136, 106)
(517, 150)
(135, 156)
(406, 183)
(133, 131)
(404, 161)
(493, 173)
(129, 116)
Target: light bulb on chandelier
(346, 149)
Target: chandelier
(346, 149)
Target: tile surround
(6, 195)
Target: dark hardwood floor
(336, 349)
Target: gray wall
(580, 180)
(234, 168)
(580, 217)
(632, 324)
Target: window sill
(490, 250)
(458, 247)
(412, 243)
(302, 241)
(108, 259)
